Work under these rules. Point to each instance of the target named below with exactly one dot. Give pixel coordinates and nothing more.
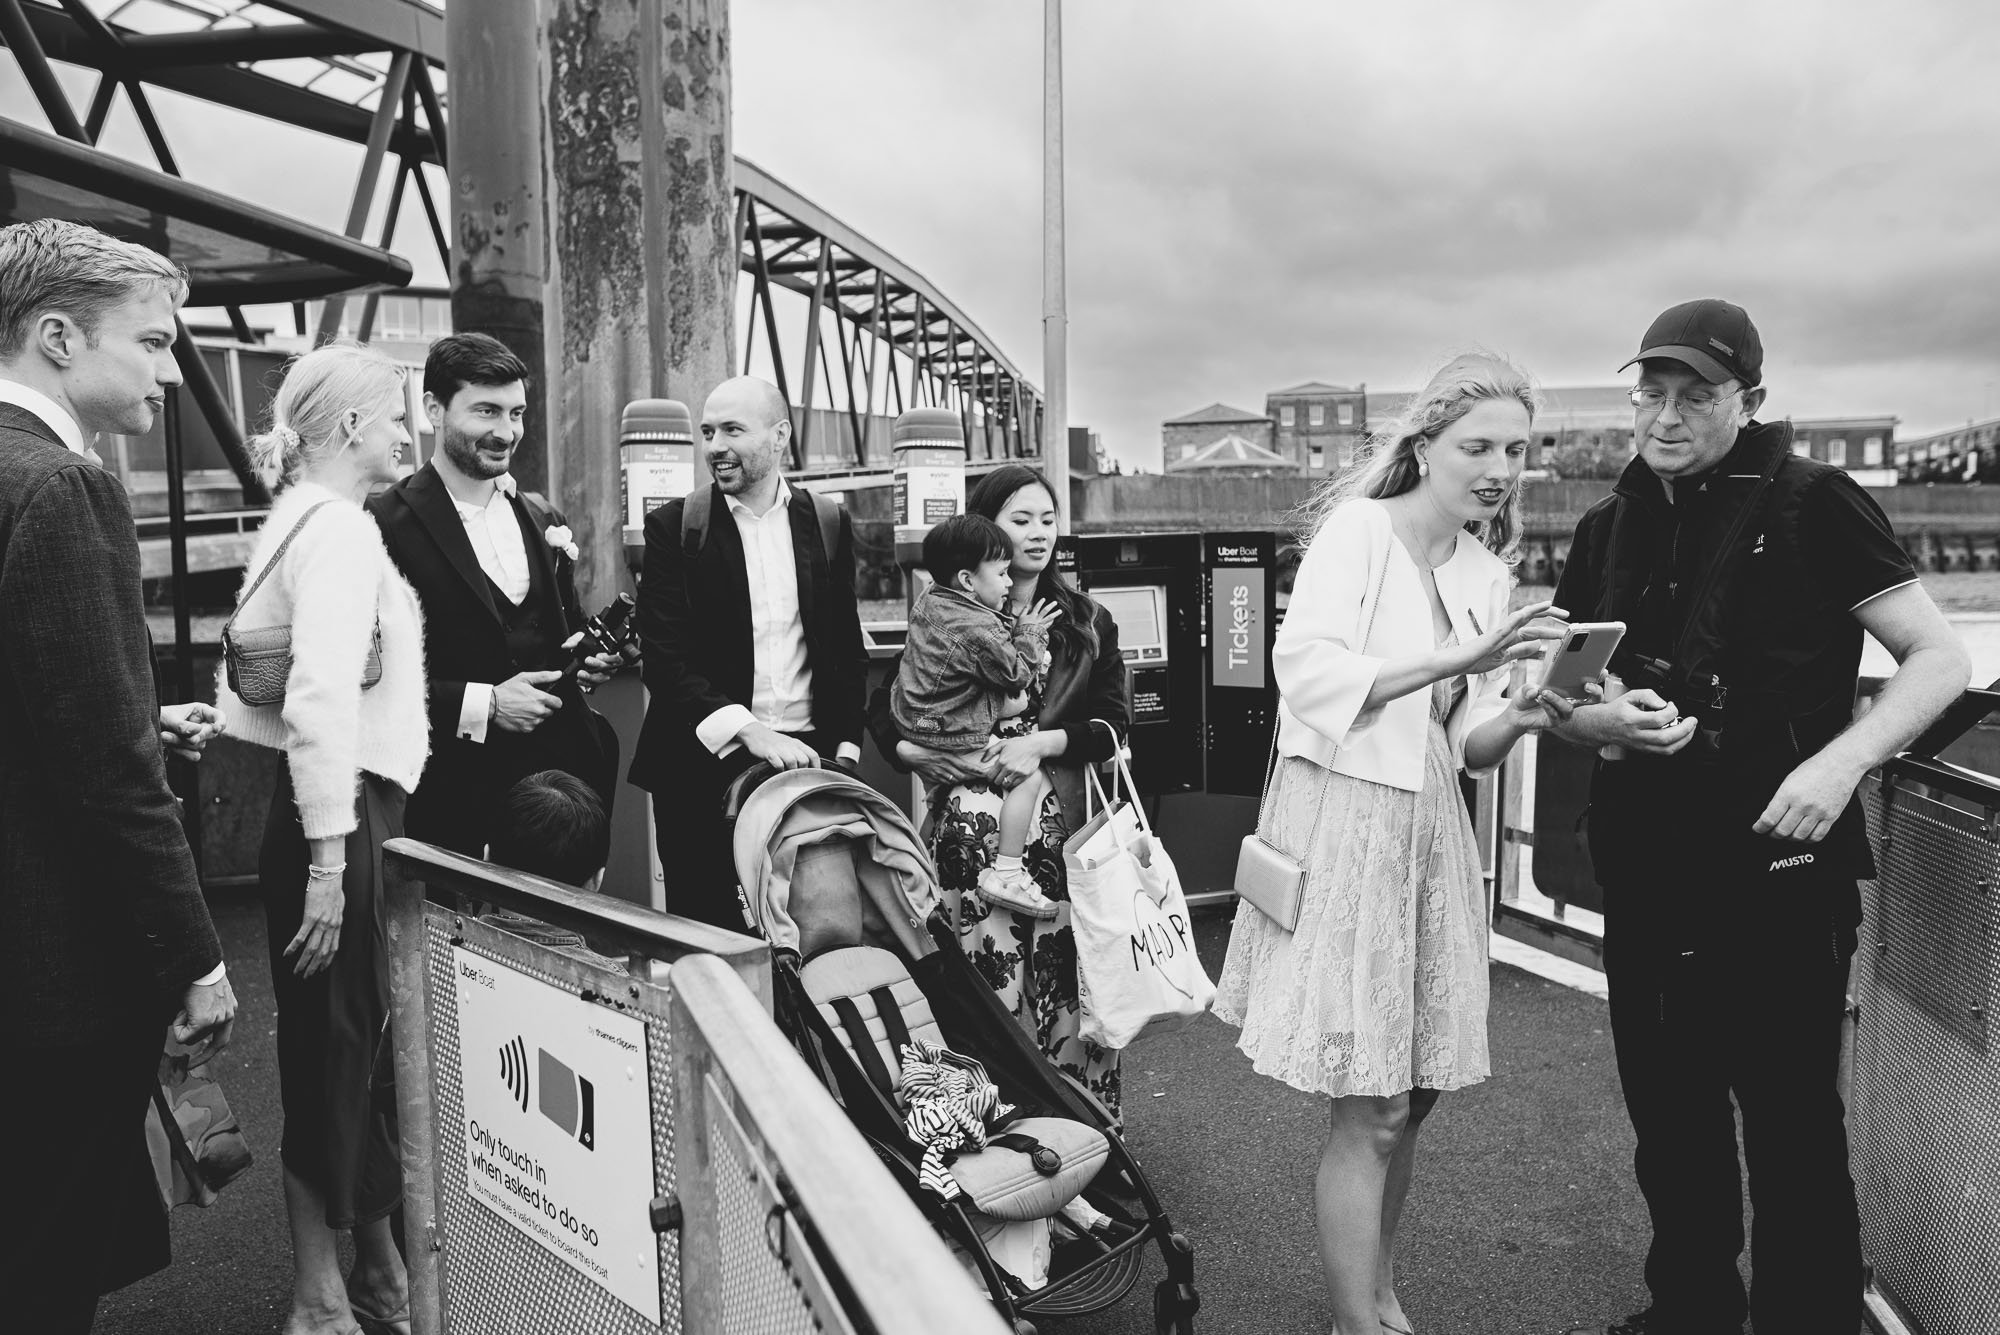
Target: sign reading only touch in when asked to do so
(558, 1137)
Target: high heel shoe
(380, 1323)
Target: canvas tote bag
(1136, 967)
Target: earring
(1423, 466)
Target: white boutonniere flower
(559, 537)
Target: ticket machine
(1151, 584)
(1242, 703)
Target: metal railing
(1924, 1093)
(1922, 1078)
(619, 1138)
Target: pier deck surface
(1523, 1221)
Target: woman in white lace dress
(1392, 669)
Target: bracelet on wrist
(316, 872)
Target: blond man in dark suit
(104, 936)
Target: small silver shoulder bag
(1272, 880)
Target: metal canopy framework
(366, 71)
(788, 241)
(371, 72)
(235, 254)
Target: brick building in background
(1318, 426)
(1969, 453)
(1582, 431)
(1184, 438)
(1865, 446)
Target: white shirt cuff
(719, 729)
(212, 977)
(848, 751)
(475, 712)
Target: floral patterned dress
(1030, 963)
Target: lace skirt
(1383, 986)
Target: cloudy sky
(1268, 191)
(1262, 192)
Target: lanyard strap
(271, 564)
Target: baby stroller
(836, 879)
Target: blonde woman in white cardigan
(352, 755)
(1392, 670)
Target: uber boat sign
(558, 1134)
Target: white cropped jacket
(1323, 673)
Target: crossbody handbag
(258, 662)
(1272, 880)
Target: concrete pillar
(498, 195)
(642, 248)
(593, 206)
(593, 213)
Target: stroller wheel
(1174, 1306)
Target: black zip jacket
(1765, 653)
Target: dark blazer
(694, 627)
(102, 922)
(464, 641)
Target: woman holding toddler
(1014, 923)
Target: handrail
(417, 873)
(1966, 784)
(899, 1277)
(626, 928)
(1972, 707)
(893, 1276)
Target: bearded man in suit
(103, 929)
(495, 569)
(751, 637)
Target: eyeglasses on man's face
(1690, 405)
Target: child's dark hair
(963, 542)
(458, 360)
(551, 824)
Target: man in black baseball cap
(1710, 336)
(1727, 838)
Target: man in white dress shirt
(752, 641)
(492, 565)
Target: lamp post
(1055, 313)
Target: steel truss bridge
(856, 337)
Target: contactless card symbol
(569, 1100)
(514, 1070)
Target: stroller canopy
(795, 838)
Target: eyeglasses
(1690, 405)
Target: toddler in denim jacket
(967, 667)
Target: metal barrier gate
(625, 1142)
(1925, 1098)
